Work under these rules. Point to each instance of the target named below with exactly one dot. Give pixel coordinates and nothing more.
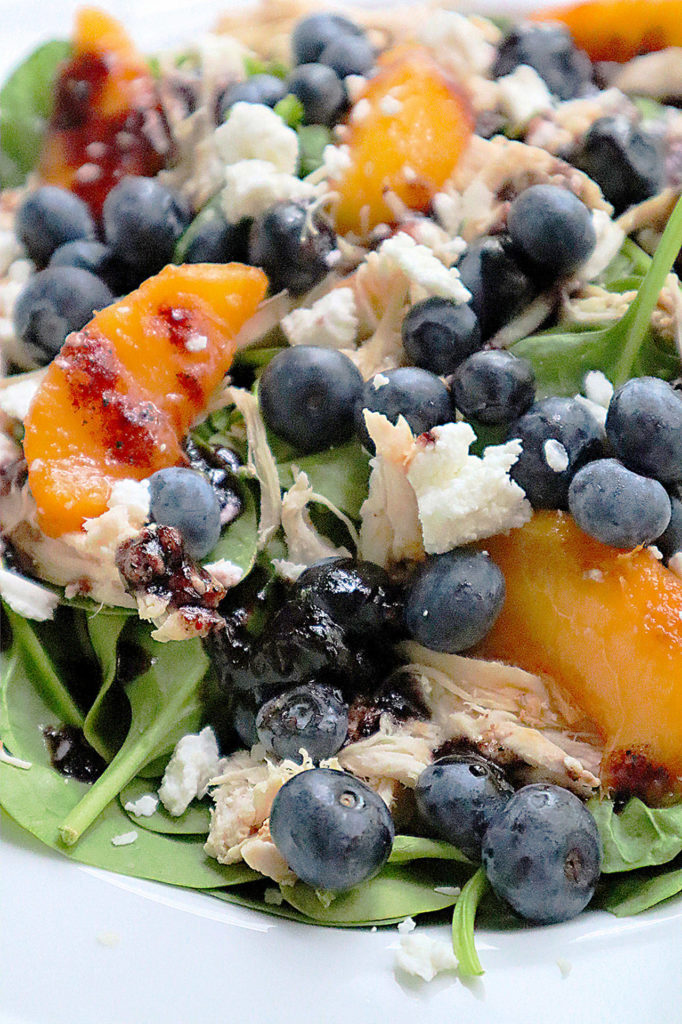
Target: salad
(341, 463)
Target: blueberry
(142, 222)
(453, 600)
(644, 427)
(358, 596)
(333, 831)
(623, 159)
(184, 498)
(265, 89)
(419, 396)
(54, 303)
(312, 716)
(292, 246)
(49, 217)
(550, 51)
(97, 259)
(493, 386)
(320, 91)
(457, 798)
(244, 720)
(438, 335)
(616, 506)
(348, 55)
(500, 287)
(553, 228)
(670, 542)
(213, 240)
(545, 471)
(542, 854)
(307, 396)
(312, 34)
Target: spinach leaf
(246, 897)
(164, 704)
(239, 542)
(26, 101)
(34, 655)
(623, 350)
(639, 836)
(105, 722)
(463, 920)
(213, 210)
(312, 138)
(194, 822)
(397, 892)
(340, 474)
(409, 848)
(635, 893)
(290, 109)
(39, 798)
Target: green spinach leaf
(239, 542)
(290, 109)
(463, 921)
(340, 474)
(26, 101)
(194, 822)
(106, 720)
(635, 893)
(639, 836)
(312, 139)
(408, 848)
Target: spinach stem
(463, 920)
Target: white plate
(83, 946)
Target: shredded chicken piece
(652, 214)
(657, 74)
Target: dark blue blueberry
(623, 159)
(539, 467)
(143, 220)
(320, 91)
(348, 55)
(358, 596)
(265, 89)
(307, 396)
(97, 259)
(493, 386)
(644, 427)
(542, 854)
(500, 287)
(54, 303)
(49, 217)
(312, 34)
(291, 246)
(418, 395)
(457, 798)
(244, 720)
(438, 335)
(550, 50)
(333, 831)
(184, 498)
(553, 228)
(213, 240)
(453, 600)
(616, 506)
(312, 716)
(670, 542)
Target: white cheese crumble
(255, 132)
(134, 496)
(448, 211)
(196, 343)
(336, 160)
(144, 806)
(331, 322)
(390, 105)
(523, 94)
(108, 939)
(456, 42)
(565, 967)
(424, 956)
(461, 497)
(419, 264)
(253, 186)
(16, 398)
(10, 250)
(194, 762)
(225, 572)
(124, 839)
(407, 926)
(675, 564)
(598, 388)
(26, 598)
(380, 380)
(361, 110)
(556, 455)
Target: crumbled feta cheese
(390, 105)
(252, 186)
(336, 160)
(523, 94)
(331, 322)
(355, 85)
(225, 572)
(656, 552)
(609, 241)
(196, 343)
(419, 264)
(598, 412)
(16, 398)
(361, 110)
(380, 380)
(407, 926)
(598, 388)
(194, 762)
(596, 575)
(448, 211)
(462, 498)
(26, 598)
(10, 250)
(424, 956)
(124, 839)
(144, 806)
(565, 967)
(108, 939)
(675, 564)
(255, 132)
(134, 497)
(556, 455)
(457, 44)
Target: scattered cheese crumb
(523, 94)
(355, 85)
(598, 412)
(144, 806)
(26, 598)
(374, 928)
(565, 967)
(407, 926)
(556, 455)
(390, 105)
(361, 110)
(675, 564)
(656, 552)
(273, 897)
(194, 762)
(255, 132)
(331, 322)
(598, 388)
(424, 956)
(108, 939)
(15, 762)
(380, 380)
(456, 42)
(196, 343)
(419, 264)
(596, 575)
(336, 160)
(124, 839)
(253, 186)
(16, 398)
(134, 496)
